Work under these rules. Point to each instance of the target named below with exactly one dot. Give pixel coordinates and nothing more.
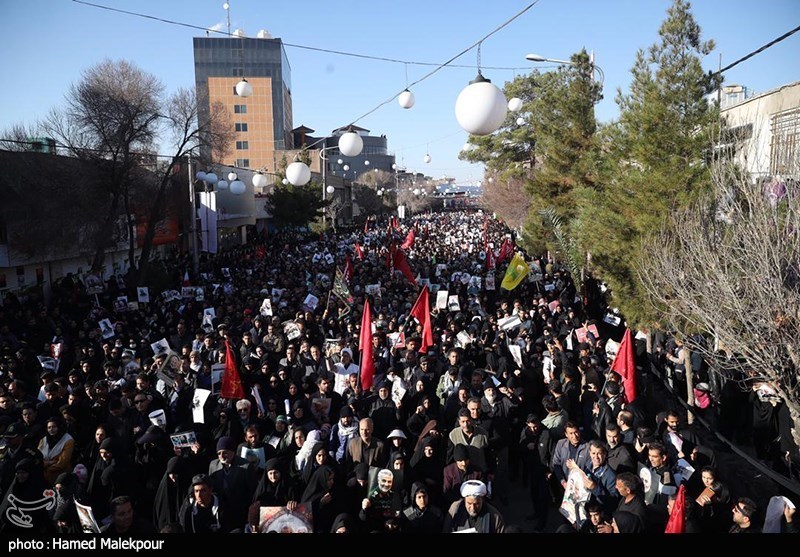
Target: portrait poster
(198, 402)
(106, 329)
(650, 483)
(143, 294)
(266, 308)
(121, 304)
(489, 281)
(183, 439)
(169, 368)
(441, 299)
(160, 346)
(86, 518)
(452, 303)
(321, 408)
(575, 496)
(281, 520)
(254, 456)
(216, 378)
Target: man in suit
(366, 448)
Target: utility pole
(193, 221)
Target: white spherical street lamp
(406, 99)
(351, 144)
(259, 180)
(298, 174)
(244, 89)
(238, 187)
(481, 107)
(222, 185)
(330, 189)
(515, 104)
(211, 178)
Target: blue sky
(49, 42)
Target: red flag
(506, 250)
(365, 345)
(359, 252)
(261, 253)
(409, 241)
(491, 260)
(231, 383)
(625, 365)
(422, 313)
(394, 223)
(401, 264)
(677, 519)
(348, 268)
(366, 226)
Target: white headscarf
(314, 437)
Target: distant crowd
(122, 407)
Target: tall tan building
(262, 121)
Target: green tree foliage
(567, 150)
(295, 206)
(653, 156)
(552, 154)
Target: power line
(464, 51)
(757, 51)
(300, 46)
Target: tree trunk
(105, 232)
(687, 362)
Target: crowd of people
(111, 420)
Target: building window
(242, 145)
(240, 109)
(785, 142)
(242, 163)
(241, 126)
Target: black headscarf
(317, 485)
(628, 523)
(170, 495)
(343, 520)
(311, 464)
(276, 494)
(52, 440)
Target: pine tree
(653, 157)
(567, 149)
(553, 153)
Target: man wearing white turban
(473, 512)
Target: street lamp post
(325, 192)
(193, 220)
(538, 58)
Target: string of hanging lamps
(350, 145)
(480, 109)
